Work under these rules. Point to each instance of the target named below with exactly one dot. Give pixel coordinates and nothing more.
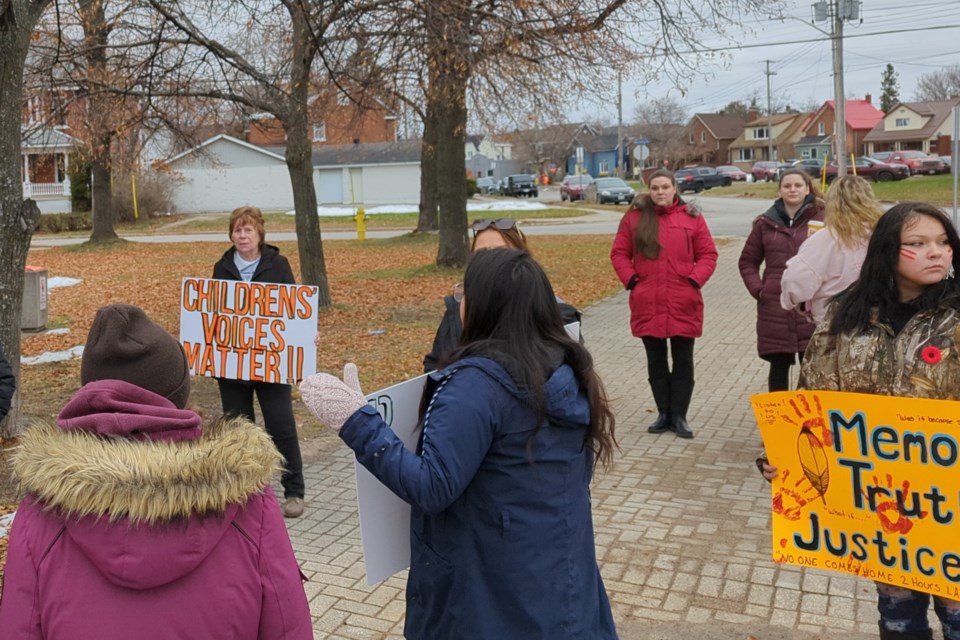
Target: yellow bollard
(133, 189)
(361, 225)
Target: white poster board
(385, 518)
(260, 331)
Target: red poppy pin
(931, 355)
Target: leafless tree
(663, 121)
(18, 217)
(939, 85)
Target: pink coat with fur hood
(154, 532)
(665, 298)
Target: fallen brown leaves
(388, 285)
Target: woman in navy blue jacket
(501, 528)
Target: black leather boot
(681, 391)
(661, 395)
(681, 428)
(661, 424)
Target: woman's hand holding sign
(331, 400)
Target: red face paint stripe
(909, 254)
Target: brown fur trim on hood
(82, 474)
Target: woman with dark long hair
(501, 528)
(663, 254)
(906, 302)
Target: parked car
(572, 187)
(872, 169)
(812, 166)
(603, 190)
(947, 161)
(521, 184)
(918, 161)
(697, 179)
(486, 186)
(764, 170)
(736, 173)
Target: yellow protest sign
(867, 485)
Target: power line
(808, 40)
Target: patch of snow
(53, 356)
(60, 281)
(6, 521)
(56, 332)
(495, 205)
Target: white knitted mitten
(331, 400)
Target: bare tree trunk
(451, 120)
(299, 158)
(98, 107)
(17, 217)
(428, 174)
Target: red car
(918, 161)
(572, 187)
(764, 171)
(872, 169)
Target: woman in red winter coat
(776, 237)
(663, 254)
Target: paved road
(725, 216)
(682, 526)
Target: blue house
(599, 155)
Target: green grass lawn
(935, 189)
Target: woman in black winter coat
(488, 234)
(252, 260)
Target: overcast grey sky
(916, 36)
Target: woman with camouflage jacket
(894, 332)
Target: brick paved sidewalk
(682, 526)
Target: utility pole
(619, 164)
(769, 113)
(837, 11)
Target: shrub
(57, 222)
(471, 187)
(79, 183)
(153, 196)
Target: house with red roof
(817, 140)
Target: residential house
(783, 130)
(915, 126)
(711, 134)
(549, 149)
(45, 155)
(487, 157)
(817, 141)
(224, 172)
(334, 119)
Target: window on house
(744, 155)
(821, 129)
(760, 133)
(603, 168)
(703, 136)
(320, 132)
(691, 137)
(903, 122)
(343, 99)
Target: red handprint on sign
(791, 497)
(891, 512)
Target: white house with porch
(45, 155)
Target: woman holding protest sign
(250, 259)
(501, 528)
(893, 332)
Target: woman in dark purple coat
(782, 336)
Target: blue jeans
(905, 611)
